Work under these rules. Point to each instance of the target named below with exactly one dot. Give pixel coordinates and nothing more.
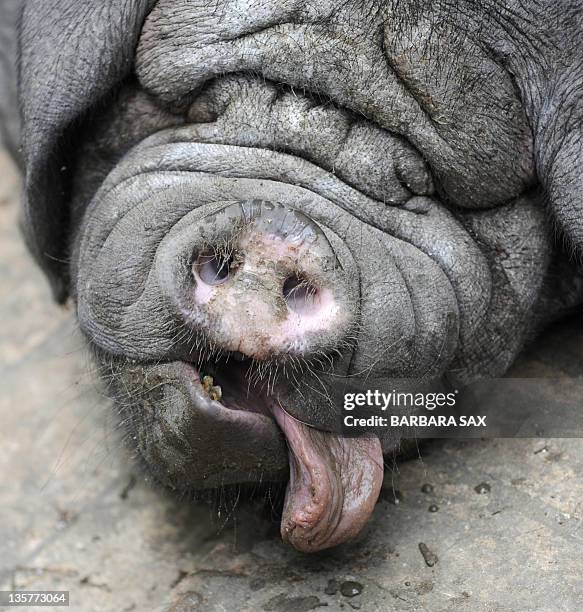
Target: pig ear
(559, 157)
(72, 53)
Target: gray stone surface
(77, 516)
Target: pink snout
(271, 288)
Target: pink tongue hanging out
(333, 488)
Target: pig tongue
(333, 488)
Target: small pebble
(349, 588)
(332, 587)
(482, 488)
(429, 556)
(433, 508)
(427, 488)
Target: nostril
(214, 268)
(300, 294)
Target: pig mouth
(334, 481)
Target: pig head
(250, 202)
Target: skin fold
(253, 203)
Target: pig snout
(270, 287)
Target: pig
(251, 202)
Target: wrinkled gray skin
(417, 165)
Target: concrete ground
(477, 525)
